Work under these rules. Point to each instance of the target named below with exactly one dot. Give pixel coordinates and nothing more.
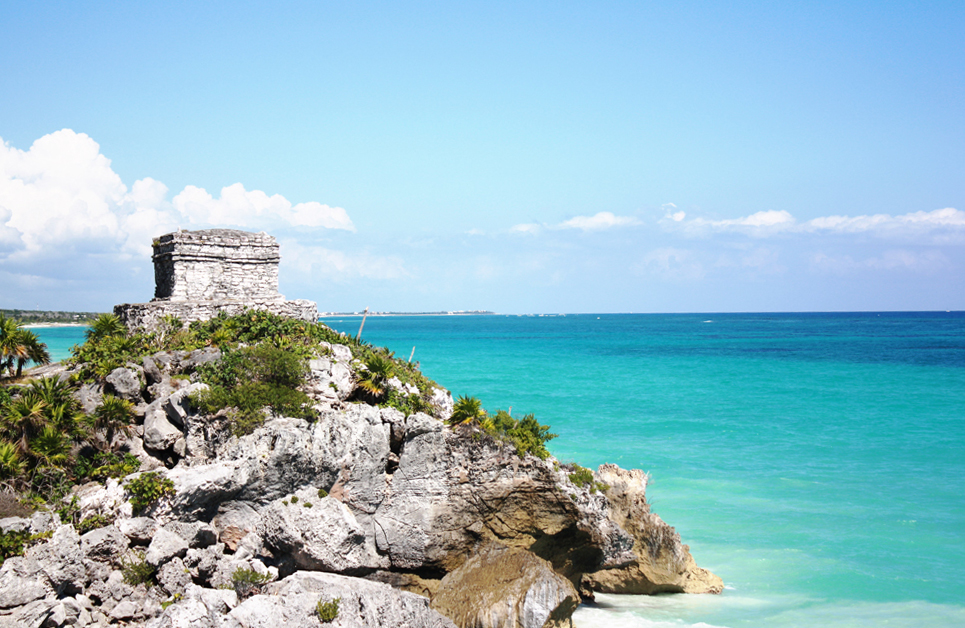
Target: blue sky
(518, 157)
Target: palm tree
(19, 346)
(106, 326)
(466, 410)
(10, 464)
(24, 419)
(375, 378)
(50, 448)
(113, 415)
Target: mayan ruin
(198, 274)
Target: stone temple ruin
(198, 274)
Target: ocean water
(816, 462)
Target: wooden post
(363, 323)
(411, 354)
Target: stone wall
(201, 273)
(216, 264)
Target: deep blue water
(816, 462)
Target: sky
(519, 157)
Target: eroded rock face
(500, 586)
(663, 564)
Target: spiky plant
(50, 448)
(466, 410)
(112, 416)
(24, 419)
(106, 326)
(374, 380)
(11, 465)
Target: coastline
(48, 325)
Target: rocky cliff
(393, 519)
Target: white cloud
(61, 197)
(239, 207)
(597, 222)
(531, 228)
(765, 223)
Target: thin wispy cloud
(767, 223)
(598, 222)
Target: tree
(466, 410)
(113, 415)
(375, 378)
(106, 326)
(19, 346)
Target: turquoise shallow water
(816, 462)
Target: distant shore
(36, 325)
(458, 313)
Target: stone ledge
(148, 316)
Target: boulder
(126, 383)
(292, 602)
(320, 534)
(164, 546)
(177, 407)
(159, 432)
(61, 560)
(104, 543)
(21, 581)
(500, 586)
(139, 530)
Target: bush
(248, 582)
(13, 543)
(93, 522)
(147, 488)
(138, 571)
(583, 477)
(327, 611)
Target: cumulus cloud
(597, 222)
(61, 196)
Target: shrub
(294, 499)
(138, 571)
(322, 493)
(13, 543)
(583, 477)
(248, 582)
(327, 611)
(93, 522)
(106, 464)
(466, 410)
(147, 488)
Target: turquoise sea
(816, 462)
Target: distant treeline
(42, 316)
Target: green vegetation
(147, 488)
(525, 434)
(327, 611)
(251, 379)
(322, 493)
(583, 477)
(19, 346)
(93, 522)
(174, 600)
(14, 542)
(137, 571)
(248, 582)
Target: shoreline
(47, 325)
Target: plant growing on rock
(327, 611)
(583, 477)
(373, 380)
(112, 416)
(248, 582)
(466, 410)
(147, 488)
(137, 571)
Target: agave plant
(375, 378)
(467, 410)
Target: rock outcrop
(341, 507)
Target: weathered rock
(104, 543)
(452, 491)
(159, 432)
(108, 499)
(61, 560)
(139, 530)
(196, 533)
(292, 602)
(89, 396)
(663, 563)
(442, 402)
(178, 407)
(35, 614)
(203, 564)
(500, 586)
(174, 577)
(14, 524)
(126, 383)
(320, 534)
(164, 546)
(21, 581)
